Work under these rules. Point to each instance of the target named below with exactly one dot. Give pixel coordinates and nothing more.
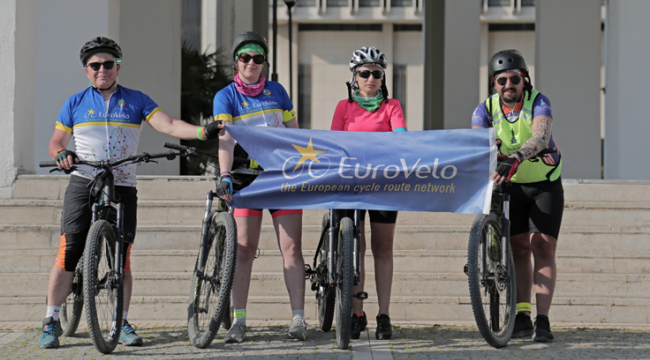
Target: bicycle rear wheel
(492, 283)
(210, 293)
(344, 284)
(102, 289)
(326, 301)
(70, 312)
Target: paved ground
(409, 342)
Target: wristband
(58, 151)
(199, 133)
(519, 155)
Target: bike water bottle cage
(361, 295)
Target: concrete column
(627, 77)
(209, 25)
(387, 49)
(8, 27)
(567, 60)
(462, 55)
(433, 30)
(152, 64)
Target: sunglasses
(514, 79)
(258, 59)
(377, 74)
(97, 65)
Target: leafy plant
(202, 76)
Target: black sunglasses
(97, 65)
(514, 79)
(258, 59)
(377, 74)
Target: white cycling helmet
(367, 55)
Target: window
(527, 3)
(337, 3)
(407, 27)
(399, 85)
(498, 2)
(339, 27)
(512, 27)
(304, 96)
(368, 3)
(398, 3)
(306, 3)
(191, 23)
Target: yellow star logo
(308, 153)
(244, 104)
(91, 111)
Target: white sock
(298, 314)
(53, 311)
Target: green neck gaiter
(369, 104)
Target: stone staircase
(603, 256)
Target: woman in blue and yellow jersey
(251, 100)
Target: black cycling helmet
(507, 60)
(247, 38)
(99, 44)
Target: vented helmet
(507, 60)
(99, 44)
(367, 55)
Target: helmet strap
(108, 88)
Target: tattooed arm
(542, 126)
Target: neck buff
(249, 90)
(369, 104)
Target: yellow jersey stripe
(224, 117)
(257, 114)
(109, 124)
(60, 126)
(152, 114)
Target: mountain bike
(491, 271)
(99, 276)
(214, 270)
(335, 271)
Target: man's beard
(512, 99)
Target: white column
(209, 26)
(567, 71)
(7, 88)
(626, 98)
(387, 49)
(152, 64)
(462, 52)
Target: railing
(354, 5)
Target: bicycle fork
(505, 228)
(205, 228)
(330, 250)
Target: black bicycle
(491, 271)
(214, 271)
(99, 276)
(335, 271)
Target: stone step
(439, 309)
(423, 261)
(404, 284)
(417, 237)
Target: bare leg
(381, 241)
(543, 248)
(58, 286)
(523, 266)
(357, 305)
(288, 229)
(128, 288)
(248, 237)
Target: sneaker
(384, 329)
(359, 324)
(236, 333)
(128, 337)
(542, 329)
(51, 332)
(298, 329)
(523, 326)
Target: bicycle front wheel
(210, 293)
(70, 312)
(327, 298)
(344, 284)
(102, 288)
(492, 283)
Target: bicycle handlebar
(105, 164)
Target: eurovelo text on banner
(436, 171)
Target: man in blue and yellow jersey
(105, 120)
(523, 121)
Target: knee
(292, 250)
(246, 253)
(382, 253)
(544, 250)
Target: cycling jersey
(271, 108)
(349, 116)
(102, 133)
(514, 128)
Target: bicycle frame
(501, 199)
(334, 224)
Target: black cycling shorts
(376, 216)
(76, 217)
(536, 207)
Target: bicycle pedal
(362, 295)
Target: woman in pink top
(368, 108)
